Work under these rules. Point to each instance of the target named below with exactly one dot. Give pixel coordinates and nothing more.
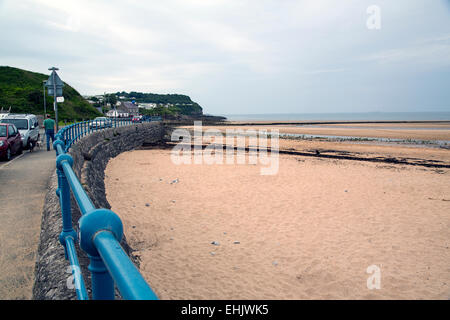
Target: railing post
(89, 225)
(101, 281)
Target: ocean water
(366, 116)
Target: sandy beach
(423, 131)
(308, 232)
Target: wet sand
(428, 131)
(369, 149)
(308, 232)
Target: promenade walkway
(23, 184)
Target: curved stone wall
(91, 155)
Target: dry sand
(308, 232)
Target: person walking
(49, 125)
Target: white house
(117, 114)
(147, 105)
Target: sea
(364, 116)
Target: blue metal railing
(100, 230)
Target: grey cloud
(240, 56)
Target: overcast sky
(230, 56)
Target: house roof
(129, 105)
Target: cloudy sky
(249, 56)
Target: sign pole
(52, 85)
(45, 105)
(55, 105)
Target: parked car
(28, 127)
(136, 119)
(10, 141)
(100, 123)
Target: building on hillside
(117, 113)
(147, 105)
(130, 107)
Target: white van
(28, 126)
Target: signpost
(44, 82)
(54, 86)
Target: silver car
(100, 123)
(28, 126)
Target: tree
(111, 98)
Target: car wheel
(28, 144)
(8, 154)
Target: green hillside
(176, 103)
(22, 90)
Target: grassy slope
(22, 90)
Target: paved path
(23, 184)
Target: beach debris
(224, 233)
(147, 204)
(174, 181)
(275, 263)
(160, 179)
(345, 190)
(212, 253)
(133, 227)
(216, 243)
(171, 238)
(235, 268)
(173, 201)
(236, 242)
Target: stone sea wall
(91, 155)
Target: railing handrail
(100, 230)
